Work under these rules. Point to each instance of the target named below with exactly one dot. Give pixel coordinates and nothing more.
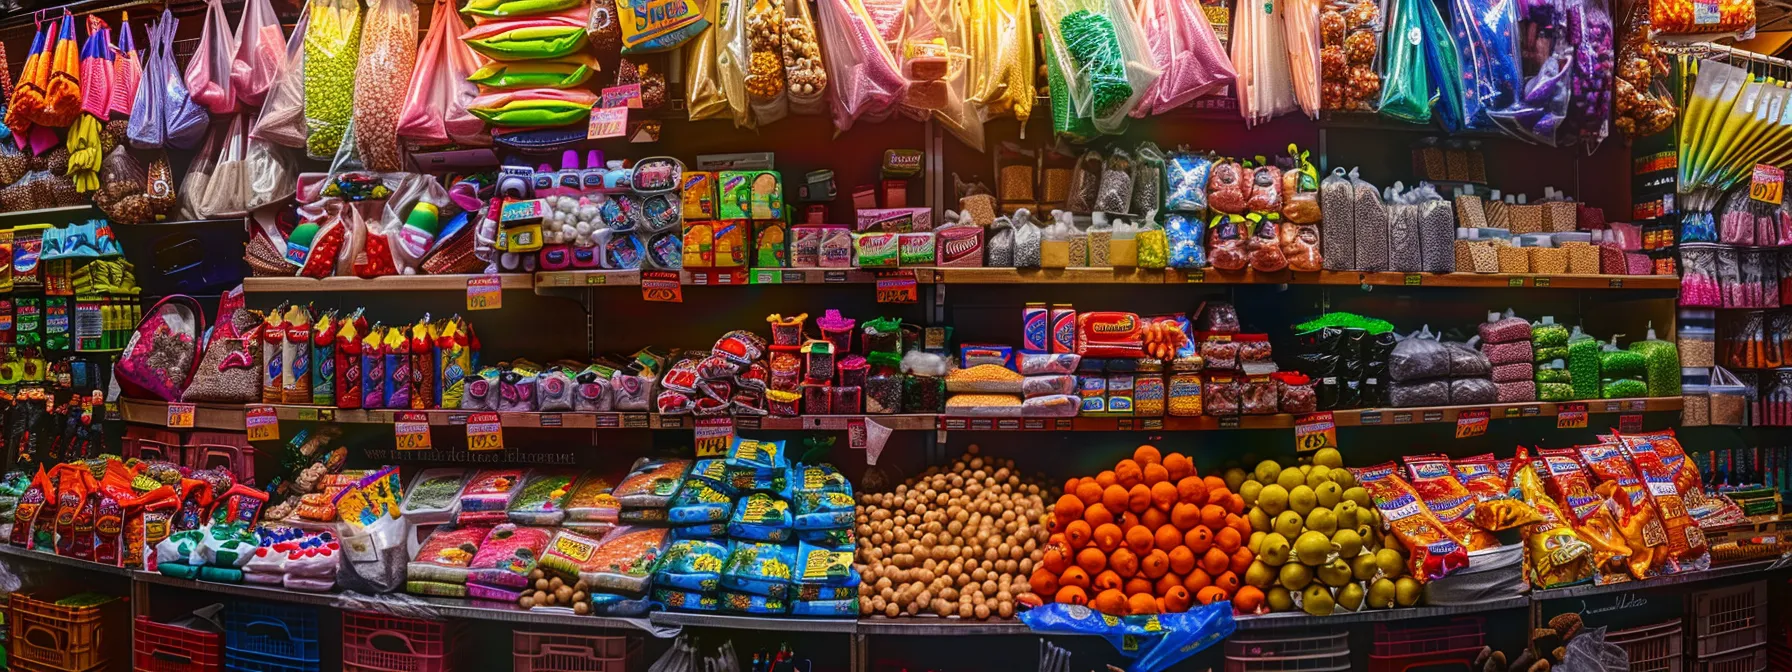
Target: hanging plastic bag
(1590, 107)
(1188, 52)
(410, 218)
(805, 78)
(704, 97)
(147, 129)
(938, 23)
(1484, 32)
(127, 72)
(1406, 83)
(28, 98)
(1707, 20)
(1260, 57)
(273, 173)
(260, 53)
(389, 48)
(1067, 123)
(1543, 101)
(1348, 51)
(1105, 59)
(1642, 103)
(183, 121)
(765, 60)
(224, 191)
(209, 71)
(857, 53)
(435, 106)
(1300, 21)
(1002, 65)
(96, 69)
(1444, 64)
(733, 60)
(62, 93)
(332, 49)
(282, 119)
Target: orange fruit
(1107, 537)
(1138, 498)
(1176, 600)
(1129, 473)
(1056, 560)
(1227, 582)
(1227, 540)
(1124, 562)
(1215, 561)
(1214, 483)
(1092, 560)
(1241, 560)
(1089, 491)
(1126, 520)
(1164, 584)
(1071, 595)
(1076, 534)
(1192, 490)
(1105, 479)
(1240, 523)
(1213, 517)
(1247, 599)
(1068, 508)
(1235, 504)
(1070, 485)
(1210, 595)
(1182, 560)
(1196, 580)
(1110, 602)
(1167, 538)
(1107, 580)
(1114, 497)
(1154, 565)
(1043, 582)
(1198, 540)
(1075, 576)
(1140, 540)
(1141, 603)
(1155, 474)
(1184, 516)
(1163, 495)
(1138, 585)
(1097, 514)
(1179, 466)
(1152, 518)
(1147, 454)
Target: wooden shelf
(703, 277)
(1033, 276)
(62, 214)
(391, 283)
(1346, 418)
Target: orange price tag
(896, 286)
(661, 286)
(1571, 416)
(484, 432)
(1314, 431)
(713, 436)
(412, 431)
(180, 416)
(485, 292)
(1472, 422)
(1768, 184)
(262, 422)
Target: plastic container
(1286, 651)
(154, 443)
(244, 660)
(69, 638)
(1698, 346)
(1727, 620)
(1652, 648)
(1695, 405)
(230, 450)
(1441, 647)
(394, 644)
(555, 652)
(161, 647)
(284, 634)
(1752, 660)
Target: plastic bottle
(542, 181)
(567, 181)
(591, 178)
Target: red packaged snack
(1496, 507)
(1566, 482)
(1637, 515)
(1686, 474)
(1434, 551)
(1227, 248)
(1265, 191)
(35, 511)
(1686, 542)
(1109, 334)
(1435, 480)
(1300, 245)
(1265, 245)
(1226, 188)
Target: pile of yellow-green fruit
(1319, 540)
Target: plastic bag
(408, 226)
(1186, 50)
(1418, 357)
(1067, 123)
(435, 105)
(1702, 18)
(936, 29)
(1300, 21)
(1105, 59)
(1485, 32)
(208, 75)
(704, 95)
(1260, 56)
(1002, 63)
(1369, 225)
(122, 189)
(388, 48)
(147, 129)
(1590, 108)
(332, 49)
(217, 184)
(282, 118)
(1547, 53)
(733, 58)
(260, 55)
(764, 29)
(856, 53)
(1406, 82)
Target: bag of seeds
(1028, 240)
(332, 51)
(1115, 192)
(1187, 176)
(1369, 225)
(1085, 183)
(1418, 357)
(1148, 180)
(1336, 201)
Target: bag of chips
(1554, 554)
(1565, 481)
(1434, 479)
(1687, 549)
(625, 560)
(1638, 519)
(1433, 551)
(1496, 507)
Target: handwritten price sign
(484, 432)
(180, 416)
(485, 292)
(1315, 431)
(1571, 416)
(411, 431)
(1472, 422)
(263, 424)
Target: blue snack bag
(691, 565)
(761, 517)
(760, 569)
(1154, 642)
(700, 500)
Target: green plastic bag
(560, 73)
(1405, 83)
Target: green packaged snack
(559, 73)
(681, 600)
(1583, 364)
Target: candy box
(699, 244)
(876, 250)
(805, 246)
(698, 196)
(836, 247)
(750, 194)
(894, 220)
(731, 243)
(1109, 334)
(916, 249)
(769, 245)
(959, 246)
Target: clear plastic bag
(733, 58)
(217, 183)
(1406, 83)
(282, 118)
(1696, 17)
(1485, 31)
(805, 77)
(411, 236)
(1418, 357)
(1590, 108)
(1186, 50)
(765, 60)
(1260, 56)
(1549, 55)
(1105, 59)
(435, 106)
(260, 53)
(1300, 20)
(273, 173)
(936, 31)
(146, 130)
(1002, 62)
(856, 53)
(208, 73)
(388, 54)
(332, 49)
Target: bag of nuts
(765, 60)
(805, 79)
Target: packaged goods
(1434, 551)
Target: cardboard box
(699, 194)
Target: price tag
(485, 292)
(1768, 184)
(1195, 275)
(1472, 422)
(262, 422)
(484, 432)
(1540, 282)
(1414, 280)
(1571, 416)
(180, 416)
(607, 122)
(627, 95)
(661, 286)
(1314, 431)
(411, 431)
(1630, 422)
(713, 436)
(1514, 282)
(896, 286)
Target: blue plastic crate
(282, 632)
(252, 662)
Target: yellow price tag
(484, 432)
(1471, 423)
(1768, 184)
(713, 436)
(412, 433)
(485, 292)
(180, 416)
(262, 422)
(1314, 431)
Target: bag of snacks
(208, 73)
(332, 50)
(1687, 549)
(1496, 506)
(434, 496)
(591, 501)
(1185, 49)
(1433, 552)
(857, 53)
(691, 564)
(539, 502)
(1638, 519)
(1188, 177)
(651, 483)
(1590, 514)
(1438, 486)
(1554, 554)
(282, 117)
(388, 48)
(761, 517)
(626, 558)
(1103, 55)
(758, 569)
(507, 555)
(487, 495)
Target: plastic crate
(393, 644)
(154, 443)
(271, 630)
(171, 648)
(1288, 651)
(556, 652)
(62, 638)
(245, 661)
(20, 665)
(1729, 619)
(1453, 645)
(1748, 660)
(1653, 648)
(230, 450)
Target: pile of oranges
(1151, 536)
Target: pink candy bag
(868, 82)
(208, 73)
(260, 53)
(127, 64)
(435, 106)
(1185, 48)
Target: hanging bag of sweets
(734, 54)
(938, 69)
(332, 49)
(857, 53)
(1642, 103)
(1105, 59)
(1002, 64)
(1485, 31)
(806, 80)
(1185, 48)
(765, 60)
(208, 72)
(435, 106)
(260, 53)
(1260, 55)
(1590, 108)
(389, 48)
(1348, 55)
(282, 117)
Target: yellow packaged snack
(1566, 482)
(1496, 507)
(1554, 555)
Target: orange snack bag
(1686, 474)
(1435, 481)
(1638, 518)
(1554, 554)
(1495, 506)
(1433, 552)
(1565, 480)
(1686, 542)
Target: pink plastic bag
(282, 119)
(435, 106)
(97, 69)
(260, 53)
(127, 64)
(868, 82)
(208, 73)
(1185, 48)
